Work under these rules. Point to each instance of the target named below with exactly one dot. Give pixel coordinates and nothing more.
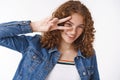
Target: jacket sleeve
(95, 75)
(10, 35)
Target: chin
(69, 41)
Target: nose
(73, 31)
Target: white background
(106, 15)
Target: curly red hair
(52, 39)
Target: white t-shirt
(64, 72)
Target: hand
(49, 24)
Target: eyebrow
(73, 23)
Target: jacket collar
(80, 54)
(55, 49)
(52, 50)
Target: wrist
(34, 26)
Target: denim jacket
(37, 62)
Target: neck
(64, 47)
(67, 52)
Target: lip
(70, 36)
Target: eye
(81, 26)
(67, 25)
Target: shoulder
(92, 57)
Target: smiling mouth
(71, 37)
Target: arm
(9, 32)
(9, 35)
(21, 27)
(14, 28)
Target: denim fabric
(37, 62)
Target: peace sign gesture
(49, 24)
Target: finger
(54, 20)
(48, 18)
(63, 28)
(64, 19)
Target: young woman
(64, 51)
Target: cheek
(79, 32)
(64, 31)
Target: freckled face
(76, 25)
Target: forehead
(77, 18)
